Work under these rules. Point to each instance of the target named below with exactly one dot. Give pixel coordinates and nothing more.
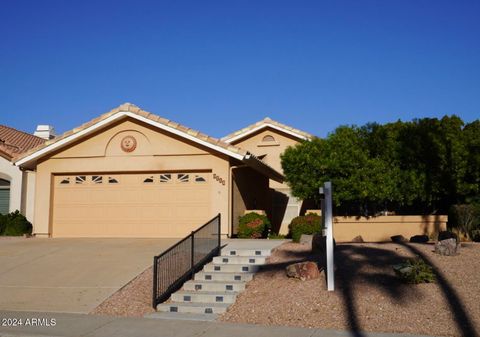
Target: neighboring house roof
(14, 142)
(266, 123)
(132, 111)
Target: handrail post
(219, 229)
(192, 260)
(155, 282)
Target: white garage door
(130, 205)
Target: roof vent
(45, 131)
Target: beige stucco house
(130, 173)
(268, 139)
(16, 185)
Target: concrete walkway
(70, 275)
(76, 325)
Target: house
(268, 139)
(16, 185)
(130, 173)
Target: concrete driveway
(70, 275)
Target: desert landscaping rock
(448, 247)
(419, 239)
(358, 239)
(303, 271)
(381, 301)
(444, 235)
(398, 238)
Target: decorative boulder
(398, 238)
(444, 235)
(303, 271)
(448, 247)
(358, 239)
(419, 239)
(306, 239)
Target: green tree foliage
(422, 166)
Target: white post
(329, 233)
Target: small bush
(308, 224)
(2, 223)
(464, 217)
(15, 224)
(253, 226)
(415, 271)
(475, 235)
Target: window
(183, 178)
(65, 181)
(97, 179)
(268, 139)
(200, 179)
(112, 180)
(80, 180)
(165, 178)
(148, 180)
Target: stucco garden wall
(381, 228)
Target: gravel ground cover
(368, 296)
(133, 300)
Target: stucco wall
(157, 152)
(254, 144)
(381, 228)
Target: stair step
(193, 308)
(184, 316)
(245, 252)
(251, 260)
(203, 296)
(222, 276)
(221, 286)
(237, 268)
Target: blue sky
(219, 65)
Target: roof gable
(134, 112)
(266, 123)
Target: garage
(167, 204)
(132, 174)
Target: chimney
(45, 132)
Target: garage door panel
(130, 205)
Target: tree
(422, 166)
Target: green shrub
(308, 224)
(464, 217)
(3, 223)
(253, 226)
(415, 271)
(475, 235)
(15, 224)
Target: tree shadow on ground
(357, 263)
(462, 318)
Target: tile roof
(128, 107)
(267, 121)
(14, 142)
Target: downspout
(230, 197)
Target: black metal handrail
(182, 260)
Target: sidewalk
(76, 325)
